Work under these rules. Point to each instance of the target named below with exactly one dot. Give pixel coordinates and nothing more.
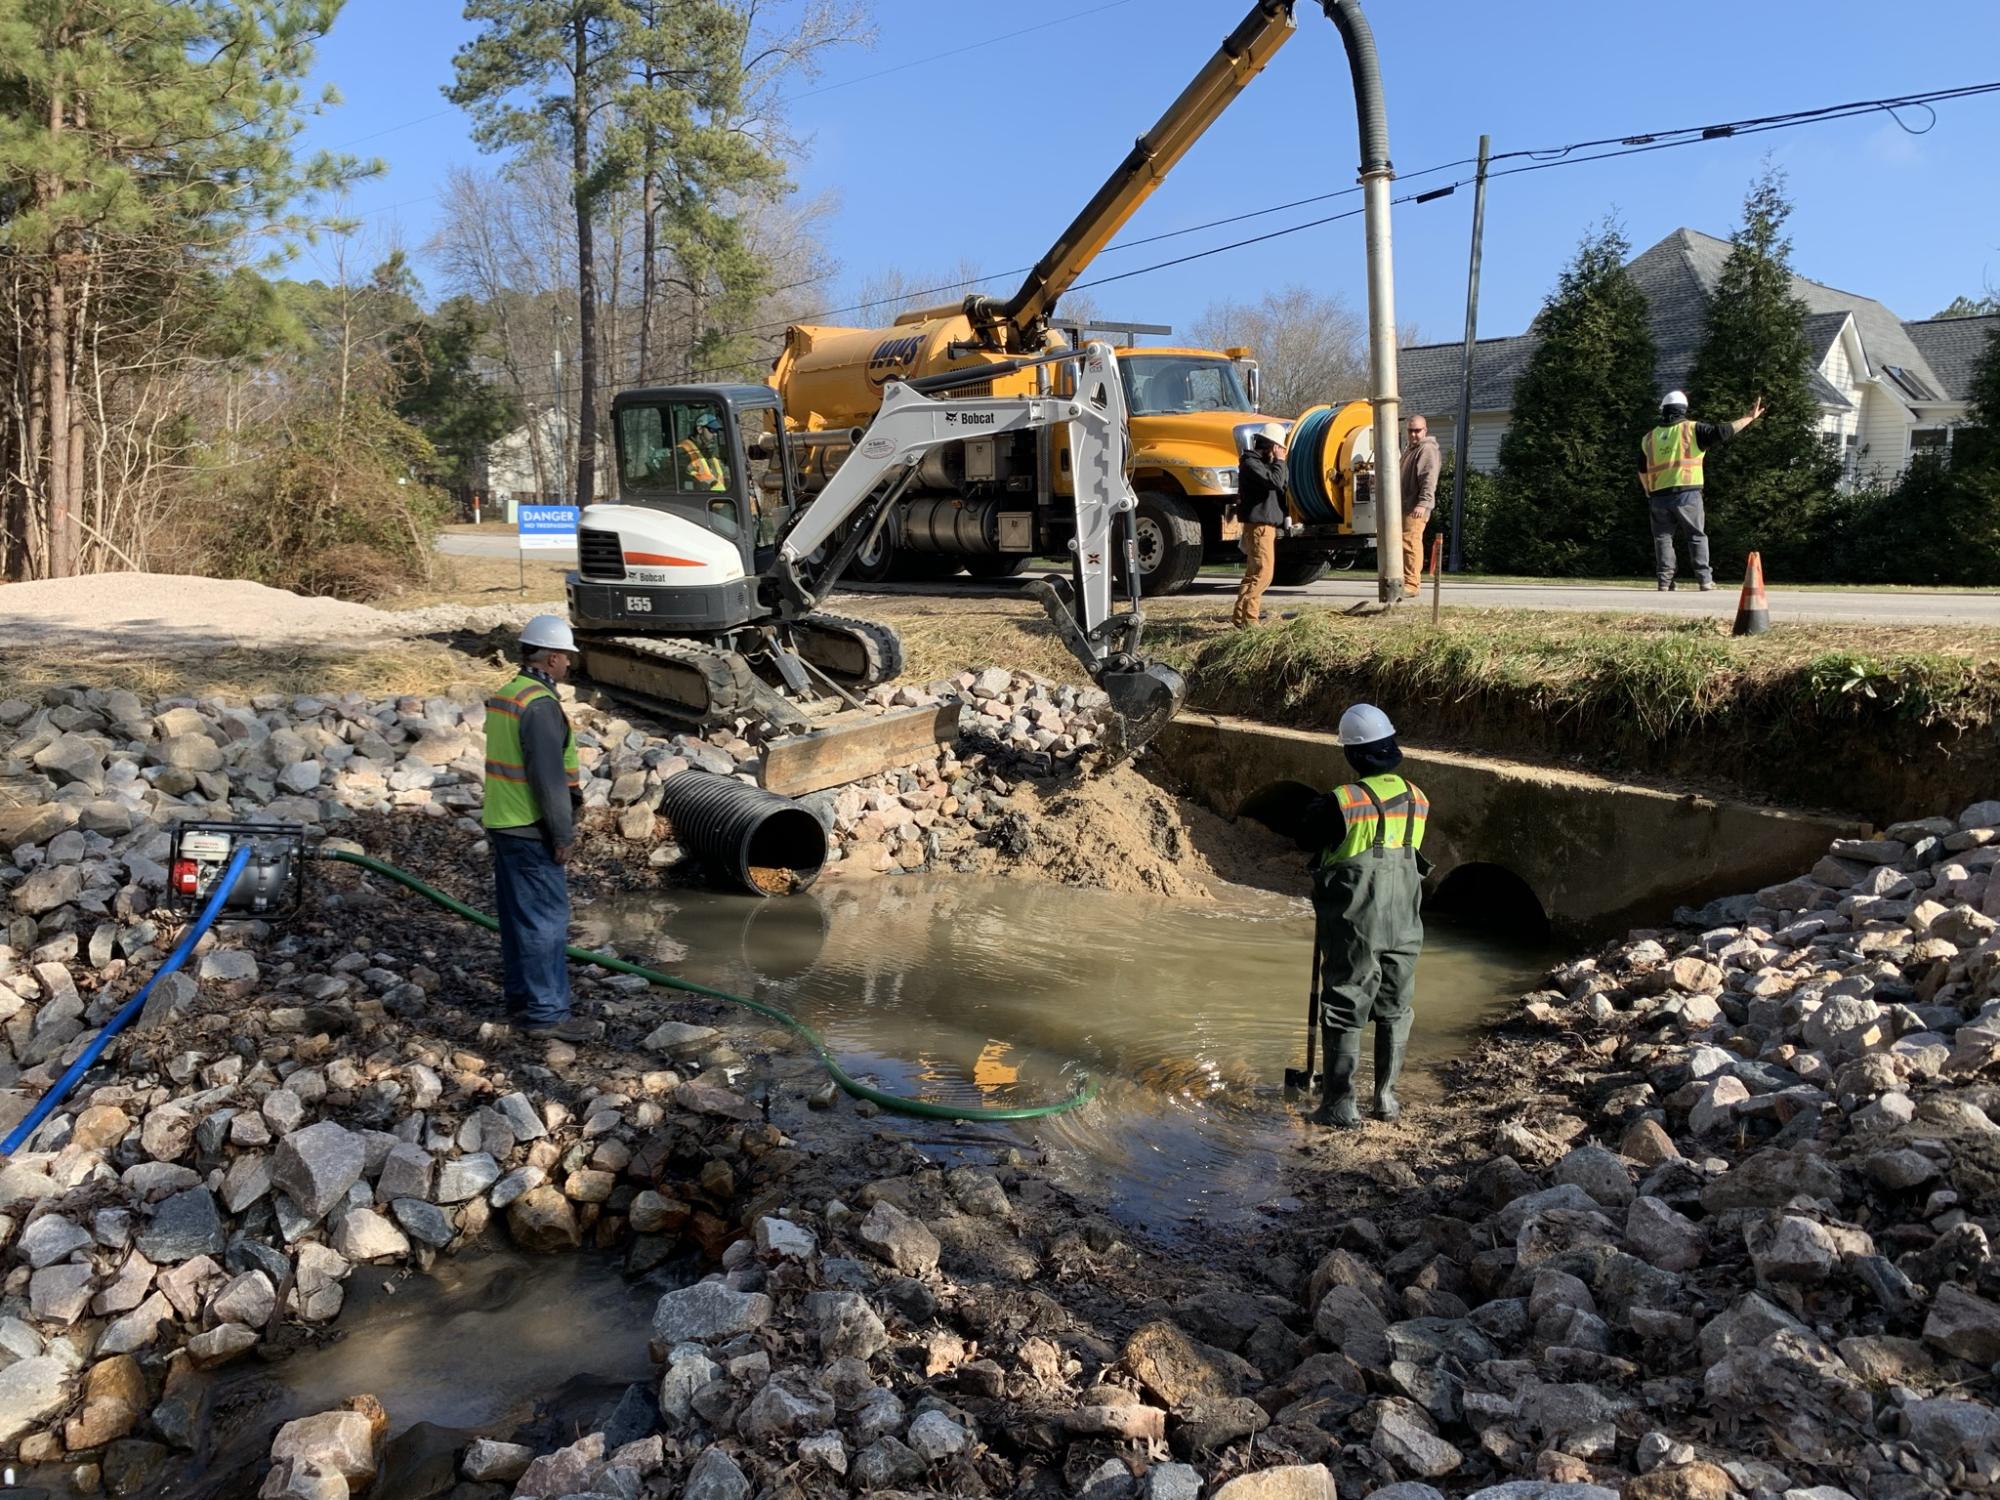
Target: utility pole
(1462, 434)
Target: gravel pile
(1729, 1237)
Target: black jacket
(1260, 490)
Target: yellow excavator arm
(1240, 58)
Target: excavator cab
(714, 455)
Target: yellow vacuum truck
(990, 504)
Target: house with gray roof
(1886, 388)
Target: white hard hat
(1270, 432)
(548, 633)
(1674, 398)
(1364, 724)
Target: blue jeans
(533, 899)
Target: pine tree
(140, 142)
(1774, 489)
(544, 75)
(1569, 462)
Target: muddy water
(993, 991)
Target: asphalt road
(1861, 606)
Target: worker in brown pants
(1420, 490)
(1260, 505)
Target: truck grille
(599, 555)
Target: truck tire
(875, 564)
(1296, 569)
(1169, 542)
(999, 565)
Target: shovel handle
(1312, 1012)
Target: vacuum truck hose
(1306, 465)
(922, 1108)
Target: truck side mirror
(1253, 383)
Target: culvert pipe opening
(767, 844)
(1491, 899)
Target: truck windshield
(672, 453)
(1156, 384)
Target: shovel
(1296, 1082)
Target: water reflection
(997, 991)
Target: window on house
(1916, 385)
(1935, 441)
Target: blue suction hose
(47, 1103)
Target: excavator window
(677, 452)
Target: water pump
(271, 884)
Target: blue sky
(985, 156)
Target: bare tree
(1312, 345)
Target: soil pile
(123, 612)
(1121, 832)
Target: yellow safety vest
(510, 801)
(1673, 459)
(700, 471)
(1406, 809)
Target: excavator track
(854, 653)
(684, 679)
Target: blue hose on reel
(45, 1106)
(1306, 467)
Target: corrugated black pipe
(737, 829)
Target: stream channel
(991, 991)
(977, 991)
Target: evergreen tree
(441, 391)
(1569, 462)
(1774, 488)
(140, 142)
(1970, 307)
(545, 75)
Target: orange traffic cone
(1753, 610)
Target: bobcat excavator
(699, 590)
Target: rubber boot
(1343, 1060)
(1392, 1040)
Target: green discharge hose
(898, 1102)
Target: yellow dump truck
(992, 503)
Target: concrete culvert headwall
(1593, 854)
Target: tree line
(178, 397)
(1565, 501)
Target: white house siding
(1488, 428)
(1885, 433)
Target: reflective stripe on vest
(510, 801)
(1393, 817)
(1673, 459)
(700, 471)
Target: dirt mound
(1122, 832)
(121, 613)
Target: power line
(1542, 159)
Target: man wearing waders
(1368, 890)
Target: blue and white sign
(548, 527)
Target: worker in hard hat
(701, 454)
(1670, 471)
(1368, 891)
(533, 787)
(1260, 506)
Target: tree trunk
(586, 279)
(647, 249)
(61, 557)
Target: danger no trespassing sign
(551, 527)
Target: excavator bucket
(1145, 697)
(848, 746)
